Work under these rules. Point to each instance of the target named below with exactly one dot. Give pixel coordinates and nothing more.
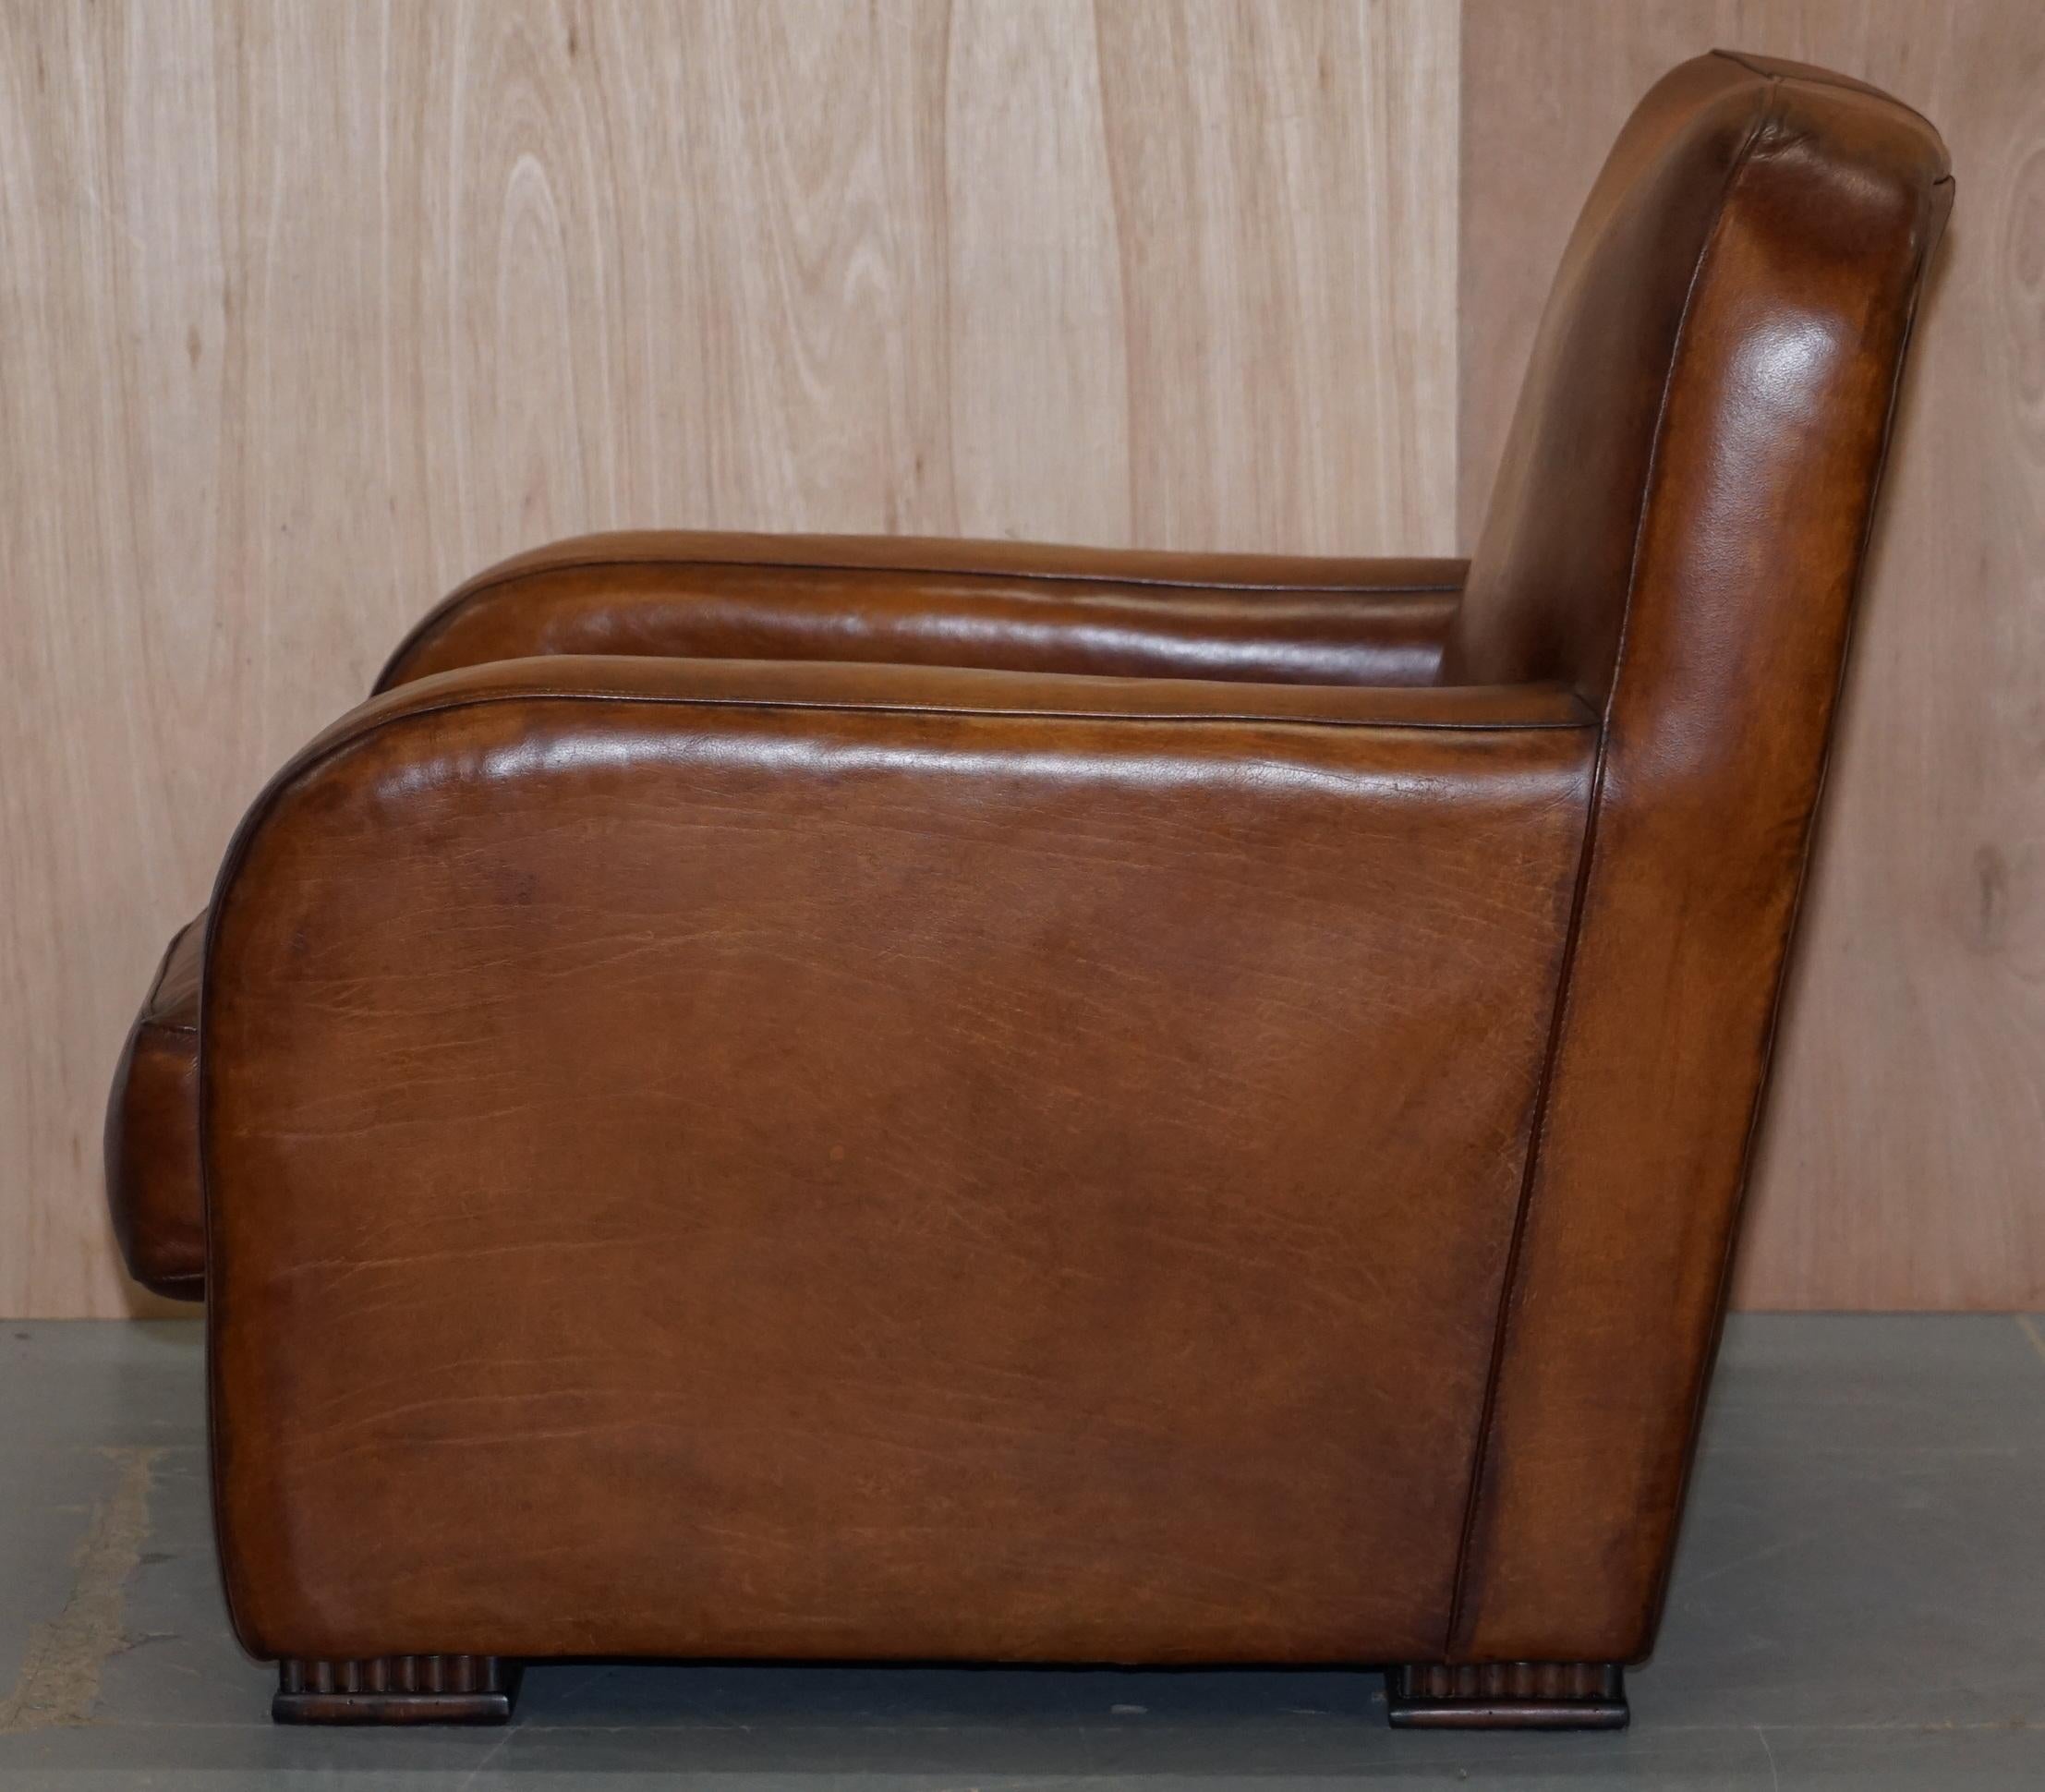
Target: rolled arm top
(994, 605)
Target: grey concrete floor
(1859, 1602)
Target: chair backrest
(1677, 532)
(1703, 423)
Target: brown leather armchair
(901, 1100)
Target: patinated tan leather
(822, 1097)
(888, 1148)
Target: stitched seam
(1035, 575)
(1538, 1133)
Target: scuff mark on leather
(59, 1682)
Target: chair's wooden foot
(1507, 1696)
(396, 1690)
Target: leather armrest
(995, 605)
(153, 1149)
(683, 1050)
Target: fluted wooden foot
(1507, 1696)
(396, 1690)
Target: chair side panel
(823, 1184)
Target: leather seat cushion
(152, 1174)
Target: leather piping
(1473, 725)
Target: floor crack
(59, 1682)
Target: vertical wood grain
(310, 310)
(1900, 1163)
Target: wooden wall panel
(310, 310)
(1901, 1162)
